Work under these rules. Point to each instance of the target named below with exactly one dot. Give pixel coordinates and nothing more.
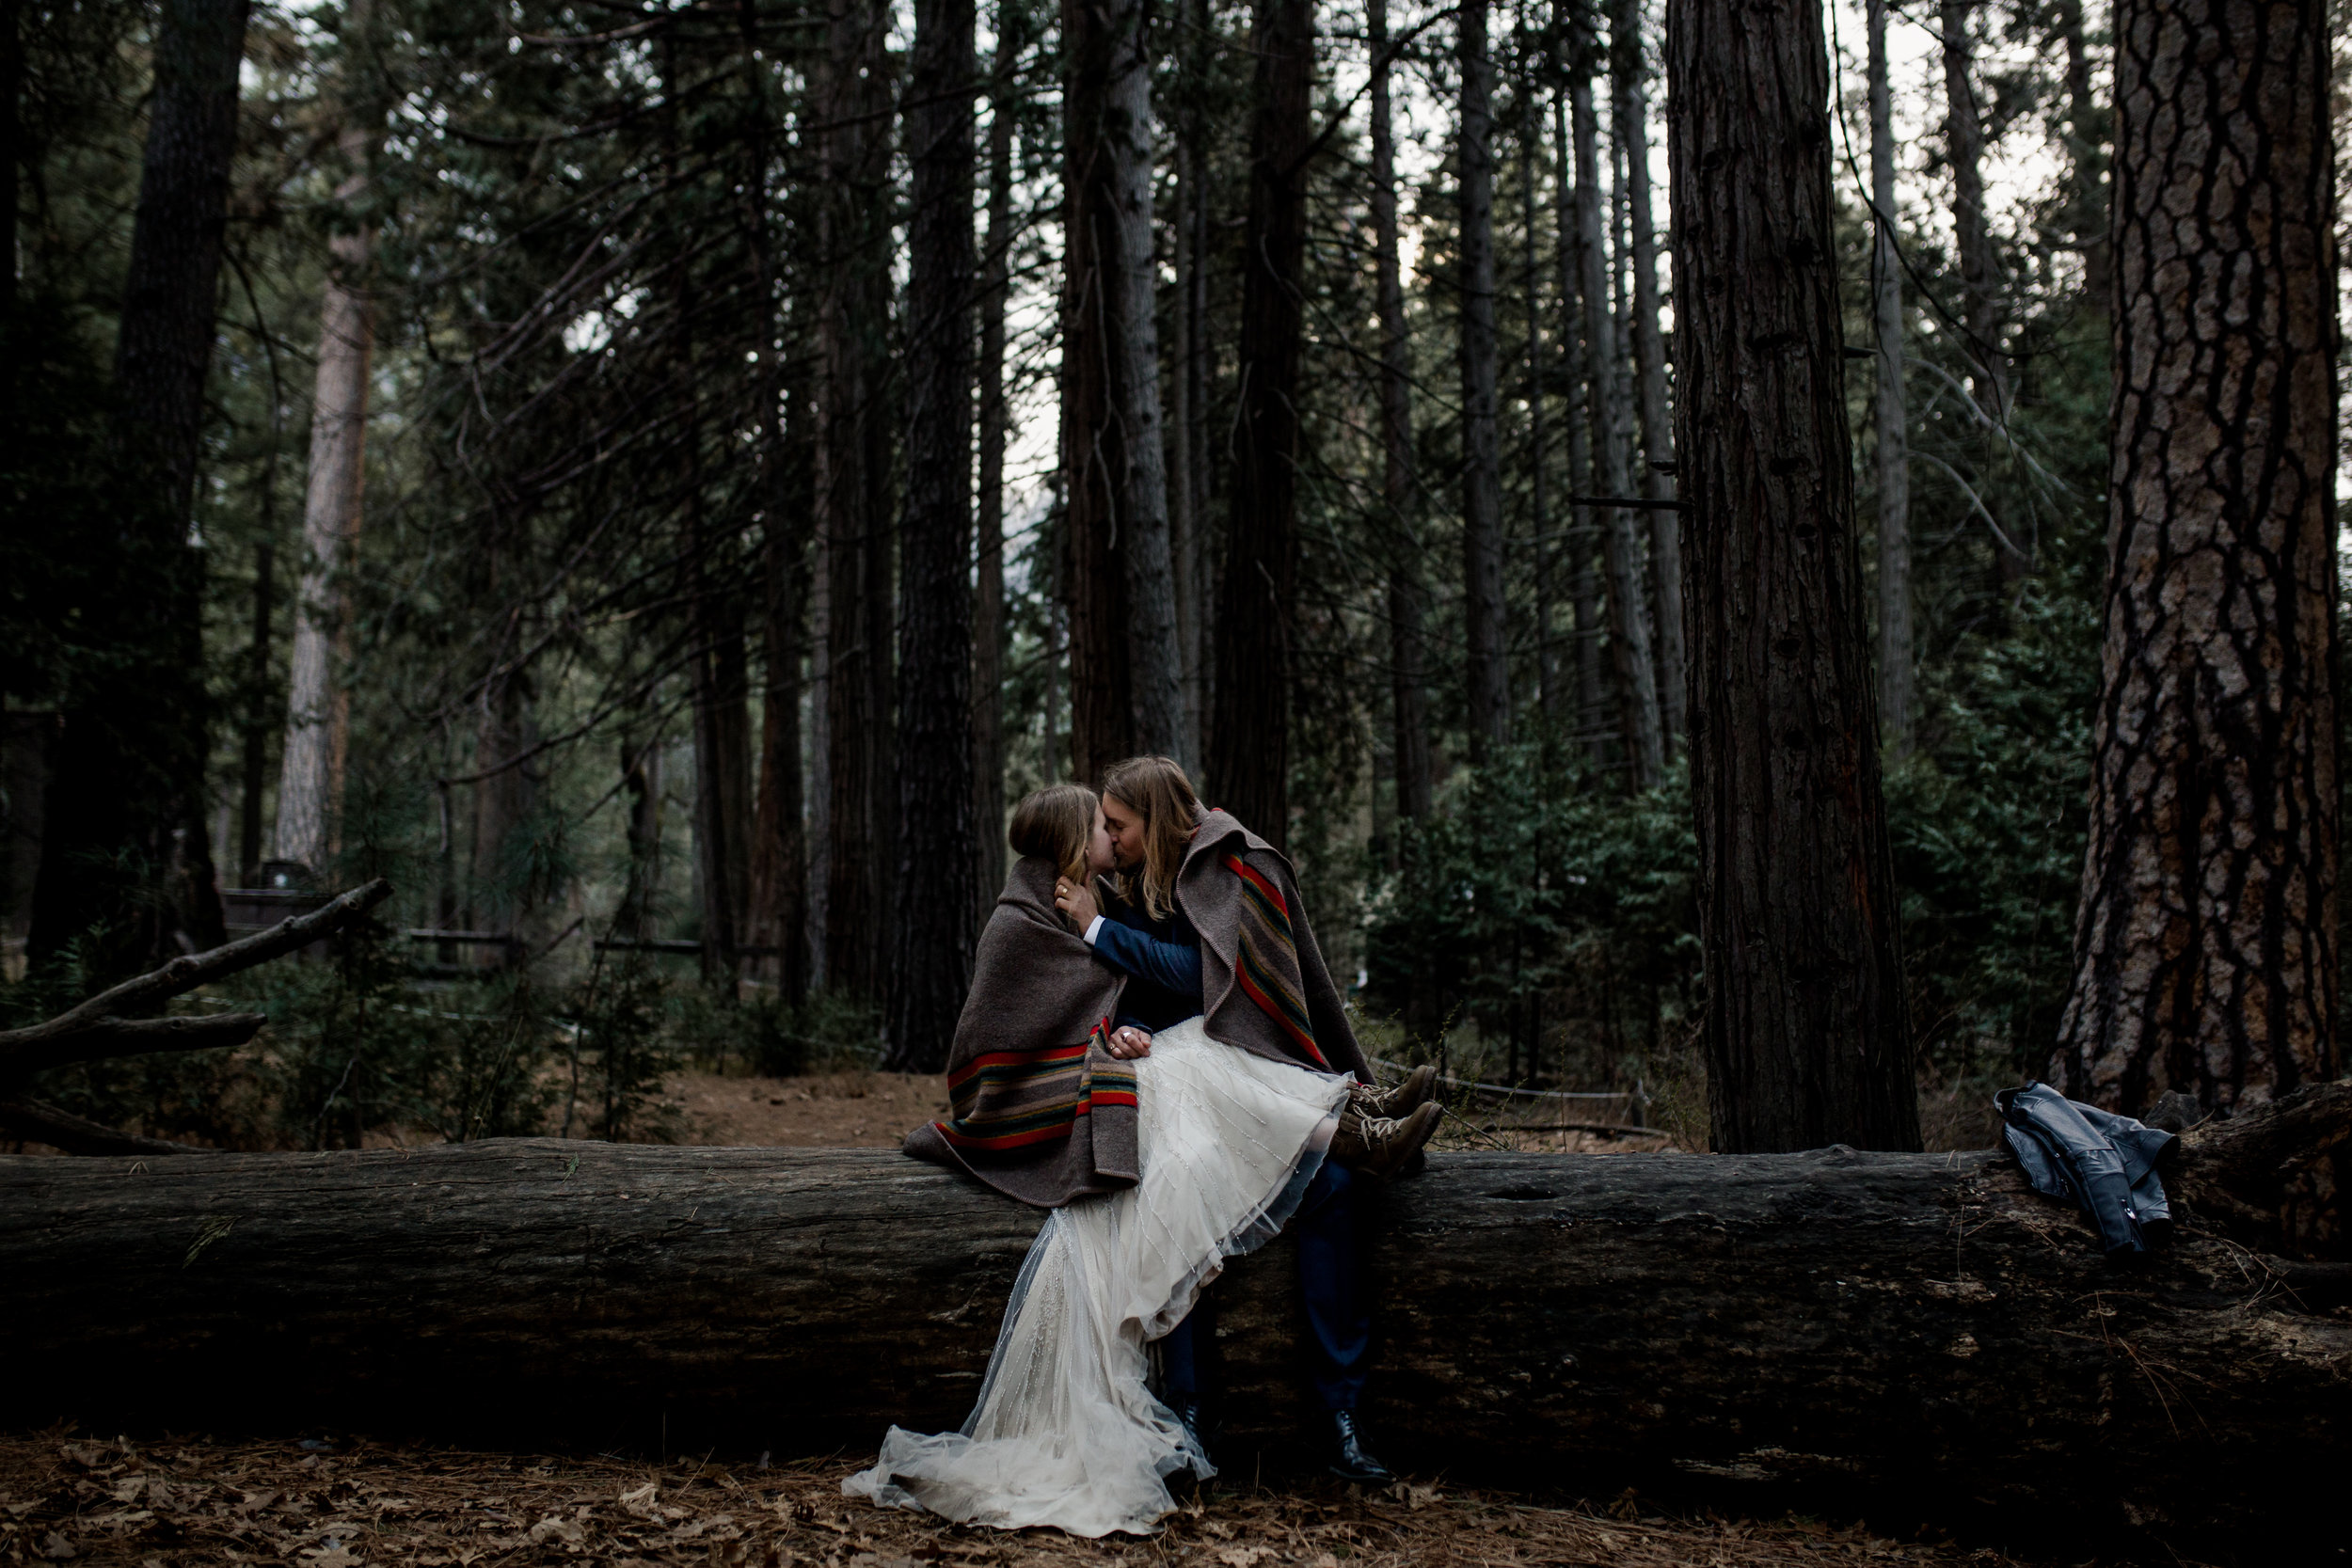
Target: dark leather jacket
(2103, 1164)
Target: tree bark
(2087, 131)
(780, 841)
(1195, 376)
(988, 589)
(718, 848)
(1910, 1335)
(1249, 738)
(1488, 671)
(1539, 445)
(1629, 70)
(1806, 1038)
(938, 895)
(1408, 694)
(852, 491)
(1889, 422)
(260, 716)
(125, 861)
(2205, 940)
(1094, 578)
(1126, 678)
(318, 707)
(1628, 606)
(1154, 664)
(1591, 721)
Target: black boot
(1349, 1462)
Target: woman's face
(1126, 832)
(1101, 856)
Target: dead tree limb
(108, 1025)
(1908, 1337)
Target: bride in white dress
(1226, 1143)
(1066, 1433)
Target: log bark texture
(1917, 1337)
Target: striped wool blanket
(1264, 983)
(1038, 1107)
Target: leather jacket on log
(2103, 1164)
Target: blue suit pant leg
(1338, 1319)
(1331, 1280)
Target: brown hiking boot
(1376, 1146)
(1398, 1101)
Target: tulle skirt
(1066, 1433)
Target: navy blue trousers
(1338, 1318)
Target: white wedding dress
(1065, 1433)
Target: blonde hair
(1156, 789)
(1054, 824)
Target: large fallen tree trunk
(1908, 1336)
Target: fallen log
(1910, 1337)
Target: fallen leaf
(58, 1546)
(334, 1557)
(1243, 1556)
(570, 1531)
(639, 1503)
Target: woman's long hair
(1054, 824)
(1156, 789)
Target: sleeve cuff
(1092, 927)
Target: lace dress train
(1066, 1433)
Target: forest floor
(312, 1504)
(67, 1497)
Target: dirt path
(65, 1499)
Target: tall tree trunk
(1483, 612)
(259, 717)
(717, 846)
(1621, 549)
(1197, 373)
(500, 888)
(318, 706)
(780, 845)
(2206, 941)
(1963, 149)
(1409, 697)
(1538, 447)
(1592, 700)
(1892, 438)
(938, 862)
(2087, 157)
(1631, 72)
(1250, 763)
(988, 591)
(853, 488)
(124, 844)
(776, 908)
(1153, 659)
(1807, 1038)
(640, 782)
(1092, 456)
(1127, 694)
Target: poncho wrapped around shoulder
(1263, 984)
(1038, 1107)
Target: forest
(1771, 569)
(655, 482)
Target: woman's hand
(1076, 900)
(1127, 1043)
